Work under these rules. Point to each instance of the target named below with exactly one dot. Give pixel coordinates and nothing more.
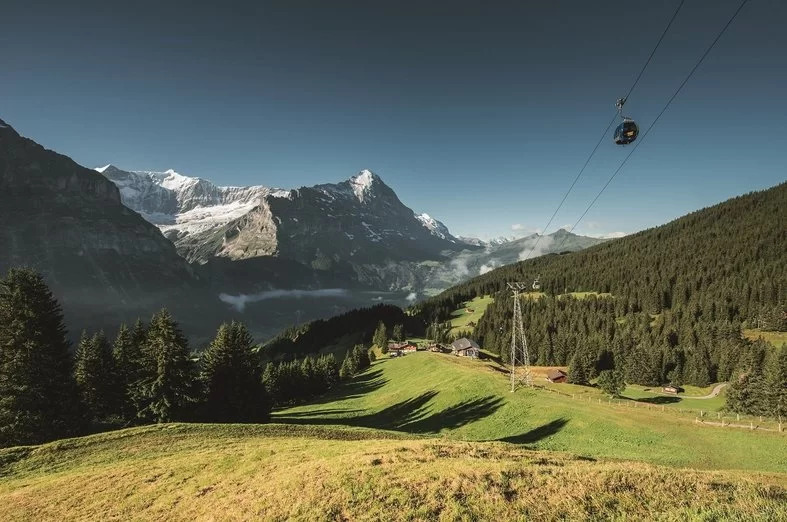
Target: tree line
(144, 374)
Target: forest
(679, 296)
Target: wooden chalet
(556, 375)
(402, 347)
(465, 347)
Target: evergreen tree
(361, 355)
(271, 382)
(166, 388)
(38, 396)
(577, 370)
(611, 382)
(776, 374)
(95, 376)
(230, 375)
(128, 360)
(380, 338)
(398, 332)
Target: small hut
(556, 375)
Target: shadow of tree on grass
(411, 415)
(660, 399)
(537, 434)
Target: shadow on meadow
(537, 434)
(357, 387)
(411, 415)
(661, 399)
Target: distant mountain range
(116, 244)
(357, 226)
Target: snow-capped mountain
(359, 220)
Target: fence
(705, 418)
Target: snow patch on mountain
(434, 226)
(362, 184)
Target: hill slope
(440, 394)
(277, 471)
(732, 254)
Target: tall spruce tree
(128, 367)
(38, 395)
(398, 332)
(230, 374)
(380, 338)
(95, 376)
(165, 391)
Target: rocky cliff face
(68, 222)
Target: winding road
(714, 392)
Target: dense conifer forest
(676, 299)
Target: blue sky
(479, 115)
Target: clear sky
(478, 113)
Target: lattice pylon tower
(520, 359)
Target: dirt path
(714, 392)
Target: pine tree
(398, 332)
(380, 339)
(38, 396)
(229, 372)
(577, 370)
(128, 361)
(611, 382)
(166, 389)
(95, 376)
(271, 382)
(361, 355)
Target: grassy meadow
(775, 338)
(452, 397)
(461, 317)
(231, 472)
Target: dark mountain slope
(67, 221)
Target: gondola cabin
(626, 132)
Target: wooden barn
(556, 375)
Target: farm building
(672, 389)
(437, 348)
(556, 375)
(465, 347)
(403, 347)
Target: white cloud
(488, 267)
(411, 297)
(240, 301)
(539, 250)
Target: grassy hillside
(439, 394)
(274, 472)
(464, 318)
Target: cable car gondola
(627, 131)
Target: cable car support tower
(520, 359)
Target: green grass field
(442, 395)
(461, 318)
(280, 472)
(422, 437)
(775, 338)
